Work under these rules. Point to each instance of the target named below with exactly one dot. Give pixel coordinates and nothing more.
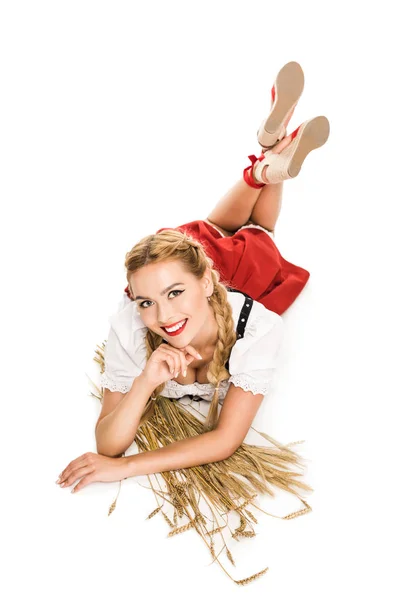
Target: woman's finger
(172, 359)
(171, 363)
(78, 462)
(174, 363)
(177, 364)
(83, 482)
(190, 350)
(183, 363)
(186, 356)
(67, 470)
(176, 368)
(77, 473)
(180, 360)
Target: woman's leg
(268, 206)
(243, 204)
(234, 209)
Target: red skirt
(249, 261)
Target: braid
(226, 339)
(171, 244)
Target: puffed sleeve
(254, 357)
(125, 351)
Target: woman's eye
(171, 292)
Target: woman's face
(166, 295)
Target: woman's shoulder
(255, 355)
(259, 319)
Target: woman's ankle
(263, 176)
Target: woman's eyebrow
(162, 293)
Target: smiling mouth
(176, 331)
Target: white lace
(270, 233)
(176, 385)
(173, 389)
(113, 386)
(256, 387)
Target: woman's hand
(93, 467)
(166, 362)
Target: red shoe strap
(295, 132)
(248, 172)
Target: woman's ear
(208, 282)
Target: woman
(201, 319)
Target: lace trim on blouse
(248, 384)
(113, 386)
(241, 380)
(181, 389)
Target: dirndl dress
(250, 261)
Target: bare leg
(234, 209)
(244, 204)
(268, 206)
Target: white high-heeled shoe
(285, 94)
(286, 164)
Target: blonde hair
(169, 245)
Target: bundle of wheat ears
(227, 486)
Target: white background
(118, 118)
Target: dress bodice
(173, 389)
(251, 363)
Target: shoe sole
(314, 135)
(289, 85)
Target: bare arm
(116, 431)
(236, 416)
(198, 450)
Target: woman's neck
(206, 339)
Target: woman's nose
(165, 319)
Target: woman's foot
(277, 149)
(285, 94)
(285, 159)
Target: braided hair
(172, 244)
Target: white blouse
(252, 362)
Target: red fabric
(249, 261)
(248, 172)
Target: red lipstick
(178, 331)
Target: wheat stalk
(225, 486)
